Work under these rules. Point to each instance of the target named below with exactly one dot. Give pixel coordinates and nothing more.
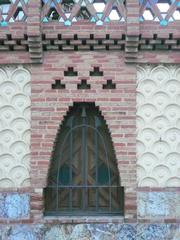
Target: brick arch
(53, 123)
(122, 140)
(57, 158)
(58, 129)
(117, 107)
(117, 137)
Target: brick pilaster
(132, 34)
(34, 31)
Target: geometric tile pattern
(15, 104)
(98, 12)
(162, 11)
(13, 11)
(158, 126)
(95, 11)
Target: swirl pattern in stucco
(158, 126)
(14, 126)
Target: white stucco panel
(14, 126)
(158, 126)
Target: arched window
(83, 177)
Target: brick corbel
(34, 31)
(132, 31)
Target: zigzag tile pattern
(13, 11)
(14, 126)
(160, 11)
(158, 126)
(98, 12)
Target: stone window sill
(83, 219)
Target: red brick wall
(49, 106)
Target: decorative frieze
(15, 90)
(158, 126)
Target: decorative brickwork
(42, 27)
(49, 109)
(34, 31)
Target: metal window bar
(96, 162)
(100, 211)
(58, 192)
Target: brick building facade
(126, 60)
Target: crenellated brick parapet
(131, 27)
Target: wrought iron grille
(83, 178)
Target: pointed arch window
(83, 177)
